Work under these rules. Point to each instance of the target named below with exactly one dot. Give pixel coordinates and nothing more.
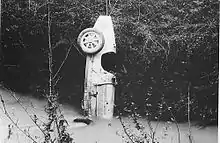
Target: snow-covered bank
(100, 131)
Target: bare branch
(125, 130)
(50, 54)
(64, 60)
(78, 50)
(174, 119)
(25, 109)
(89, 9)
(188, 113)
(9, 117)
(139, 10)
(63, 41)
(113, 7)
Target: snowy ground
(100, 131)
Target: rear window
(109, 61)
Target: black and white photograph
(109, 71)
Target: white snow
(100, 131)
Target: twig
(124, 128)
(157, 43)
(25, 109)
(57, 80)
(139, 10)
(188, 115)
(113, 7)
(64, 60)
(58, 128)
(78, 50)
(9, 117)
(44, 4)
(51, 98)
(89, 9)
(50, 54)
(154, 132)
(174, 119)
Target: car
(99, 83)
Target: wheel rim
(91, 41)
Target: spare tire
(91, 41)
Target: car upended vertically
(99, 84)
